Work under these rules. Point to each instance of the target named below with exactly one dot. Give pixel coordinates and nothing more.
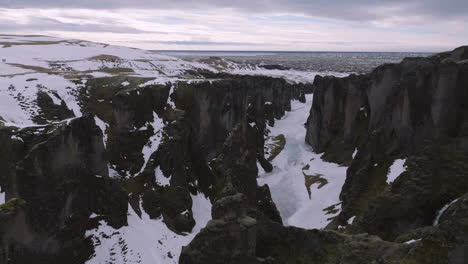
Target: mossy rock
(276, 146)
(175, 114)
(312, 179)
(12, 205)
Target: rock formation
(416, 112)
(147, 149)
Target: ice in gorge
(304, 188)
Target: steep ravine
(228, 169)
(157, 148)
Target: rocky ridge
(402, 129)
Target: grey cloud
(357, 10)
(49, 24)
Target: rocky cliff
(153, 146)
(403, 130)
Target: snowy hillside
(29, 64)
(34, 63)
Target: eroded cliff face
(54, 178)
(142, 155)
(151, 146)
(410, 119)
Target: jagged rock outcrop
(417, 111)
(59, 174)
(49, 110)
(229, 238)
(236, 236)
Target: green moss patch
(12, 205)
(274, 146)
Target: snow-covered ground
(296, 164)
(31, 64)
(395, 170)
(145, 240)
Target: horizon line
(295, 51)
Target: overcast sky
(305, 25)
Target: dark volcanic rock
(49, 111)
(416, 110)
(213, 109)
(229, 238)
(61, 175)
(274, 67)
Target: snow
(412, 241)
(17, 138)
(2, 197)
(6, 69)
(103, 126)
(294, 76)
(287, 180)
(395, 170)
(169, 101)
(160, 178)
(145, 240)
(46, 63)
(442, 210)
(18, 95)
(154, 141)
(355, 152)
(351, 220)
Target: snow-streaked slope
(296, 163)
(145, 240)
(18, 95)
(29, 64)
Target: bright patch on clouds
(287, 181)
(395, 170)
(215, 28)
(145, 240)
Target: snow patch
(154, 141)
(145, 240)
(412, 241)
(442, 211)
(351, 220)
(355, 152)
(160, 178)
(395, 170)
(103, 126)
